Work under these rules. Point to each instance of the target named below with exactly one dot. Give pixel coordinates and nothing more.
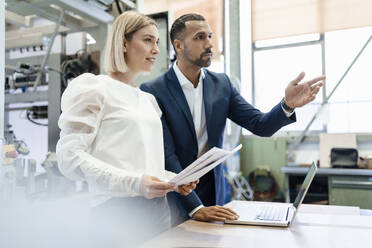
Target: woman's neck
(128, 77)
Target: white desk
(314, 226)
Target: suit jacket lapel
(208, 93)
(180, 99)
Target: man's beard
(200, 61)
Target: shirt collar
(181, 77)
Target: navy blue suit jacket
(221, 101)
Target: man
(196, 104)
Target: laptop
(272, 214)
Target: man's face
(197, 45)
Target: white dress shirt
(194, 98)
(111, 134)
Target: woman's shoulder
(153, 101)
(147, 95)
(85, 85)
(87, 80)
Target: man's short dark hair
(179, 25)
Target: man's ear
(178, 45)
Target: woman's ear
(124, 45)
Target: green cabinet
(260, 152)
(350, 191)
(346, 187)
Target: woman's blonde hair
(124, 25)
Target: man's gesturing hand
(299, 94)
(215, 213)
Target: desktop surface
(315, 226)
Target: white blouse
(111, 134)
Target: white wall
(309, 150)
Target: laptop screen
(305, 186)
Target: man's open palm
(299, 94)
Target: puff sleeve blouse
(111, 134)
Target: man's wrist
(285, 106)
(195, 210)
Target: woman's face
(141, 51)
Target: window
(275, 68)
(352, 101)
(348, 107)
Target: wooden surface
(314, 226)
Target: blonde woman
(111, 136)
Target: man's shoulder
(156, 86)
(158, 81)
(216, 75)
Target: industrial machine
(48, 43)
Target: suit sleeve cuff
(194, 210)
(288, 114)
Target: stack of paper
(202, 165)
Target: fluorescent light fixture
(129, 3)
(89, 10)
(106, 2)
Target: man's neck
(190, 71)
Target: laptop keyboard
(272, 213)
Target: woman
(111, 136)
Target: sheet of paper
(217, 154)
(201, 166)
(212, 152)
